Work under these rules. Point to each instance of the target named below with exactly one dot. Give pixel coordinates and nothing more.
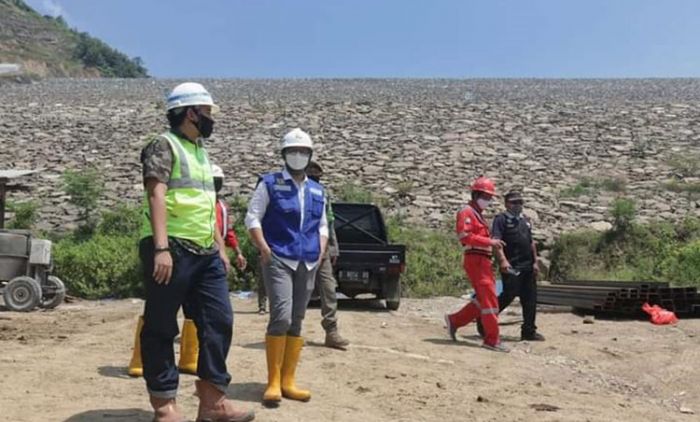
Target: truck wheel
(392, 305)
(391, 291)
(54, 293)
(22, 294)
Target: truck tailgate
(359, 262)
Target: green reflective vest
(190, 200)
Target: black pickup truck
(367, 262)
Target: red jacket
(473, 231)
(224, 224)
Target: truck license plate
(354, 275)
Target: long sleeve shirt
(473, 231)
(258, 206)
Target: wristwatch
(161, 249)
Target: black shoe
(534, 336)
(480, 328)
(451, 330)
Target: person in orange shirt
(473, 233)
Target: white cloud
(53, 8)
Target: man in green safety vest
(184, 261)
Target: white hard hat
(216, 171)
(190, 94)
(297, 138)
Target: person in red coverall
(224, 221)
(473, 233)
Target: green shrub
(645, 252)
(433, 260)
(124, 219)
(688, 229)
(103, 266)
(25, 215)
(683, 266)
(624, 211)
(574, 256)
(85, 188)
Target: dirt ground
(69, 364)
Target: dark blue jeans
(199, 280)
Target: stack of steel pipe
(620, 297)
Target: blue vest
(280, 225)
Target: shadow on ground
(114, 372)
(371, 305)
(246, 391)
(101, 415)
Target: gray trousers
(262, 295)
(326, 284)
(289, 293)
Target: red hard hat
(484, 184)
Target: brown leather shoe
(214, 407)
(165, 410)
(334, 340)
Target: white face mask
(297, 160)
(483, 203)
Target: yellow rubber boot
(189, 348)
(289, 366)
(274, 349)
(135, 365)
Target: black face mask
(314, 178)
(218, 184)
(205, 125)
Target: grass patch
(589, 185)
(350, 192)
(685, 165)
(404, 188)
(677, 186)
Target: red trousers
(478, 269)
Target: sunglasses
(516, 202)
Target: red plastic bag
(659, 315)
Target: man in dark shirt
(518, 262)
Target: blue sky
(392, 38)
